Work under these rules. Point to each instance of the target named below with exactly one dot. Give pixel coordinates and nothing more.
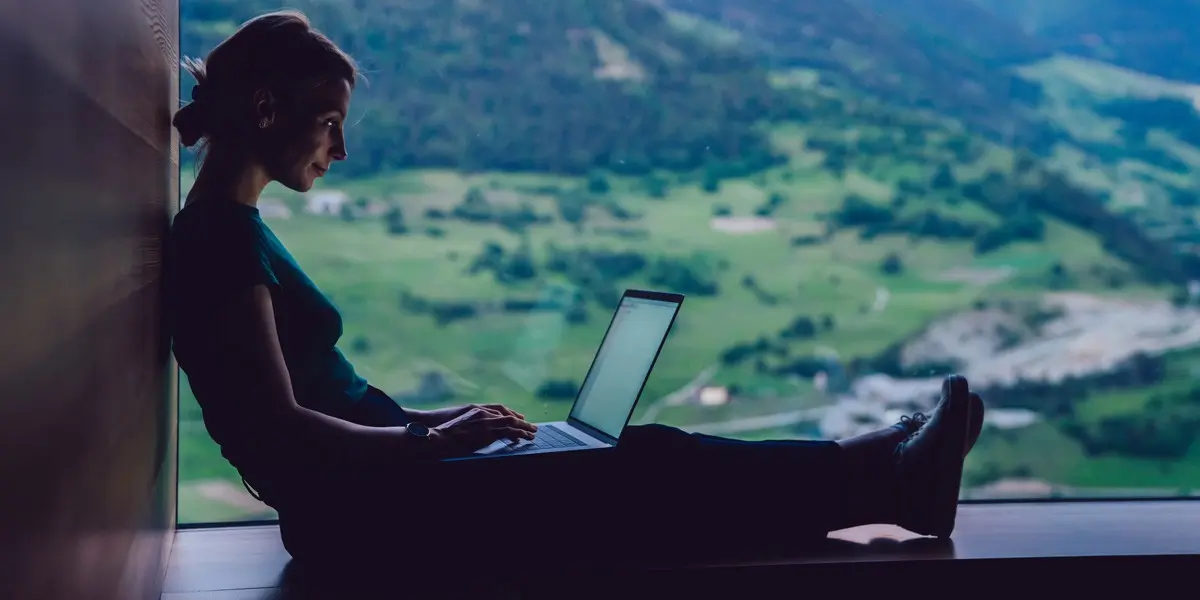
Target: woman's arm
(252, 353)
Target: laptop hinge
(592, 431)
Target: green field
(828, 199)
(364, 269)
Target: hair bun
(192, 123)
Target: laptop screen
(623, 363)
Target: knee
(653, 437)
(296, 541)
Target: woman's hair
(279, 52)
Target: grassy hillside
(1129, 137)
(969, 26)
(518, 164)
(1153, 37)
(904, 61)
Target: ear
(264, 104)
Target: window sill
(1041, 530)
(250, 558)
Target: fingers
(502, 410)
(512, 433)
(512, 422)
(526, 430)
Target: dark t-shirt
(217, 248)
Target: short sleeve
(243, 258)
(249, 259)
(217, 252)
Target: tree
(774, 201)
(483, 104)
(395, 221)
(656, 186)
(475, 198)
(856, 210)
(802, 328)
(944, 178)
(474, 207)
(518, 267)
(348, 213)
(836, 160)
(1059, 275)
(572, 207)
(597, 183)
(1025, 162)
(892, 265)
(558, 389)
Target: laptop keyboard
(548, 437)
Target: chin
(299, 184)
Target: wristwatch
(417, 430)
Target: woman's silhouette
(344, 464)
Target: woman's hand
(478, 430)
(438, 416)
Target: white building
(326, 203)
(273, 208)
(714, 396)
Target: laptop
(614, 382)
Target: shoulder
(215, 222)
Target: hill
(907, 61)
(1129, 137)
(562, 86)
(966, 27)
(823, 202)
(579, 86)
(1153, 37)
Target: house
(713, 396)
(326, 203)
(273, 208)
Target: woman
(341, 461)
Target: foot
(910, 424)
(929, 461)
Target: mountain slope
(574, 85)
(882, 55)
(559, 86)
(963, 26)
(1034, 15)
(1155, 37)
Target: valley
(842, 242)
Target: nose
(338, 152)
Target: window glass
(857, 198)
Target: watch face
(418, 429)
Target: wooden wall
(88, 177)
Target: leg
(907, 475)
(729, 489)
(662, 492)
(665, 493)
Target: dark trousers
(662, 494)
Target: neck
(230, 175)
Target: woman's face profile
(309, 138)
